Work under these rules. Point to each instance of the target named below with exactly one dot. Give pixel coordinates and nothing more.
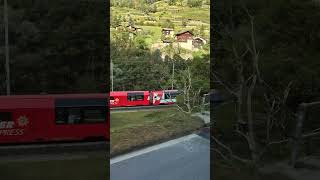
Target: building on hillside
(118, 27)
(185, 39)
(132, 28)
(168, 32)
(184, 36)
(198, 42)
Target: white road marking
(150, 149)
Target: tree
(172, 2)
(194, 3)
(54, 44)
(167, 24)
(184, 23)
(258, 71)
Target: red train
(49, 118)
(142, 98)
(68, 117)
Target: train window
(83, 115)
(5, 116)
(61, 116)
(74, 116)
(131, 97)
(111, 98)
(139, 97)
(94, 115)
(135, 96)
(80, 111)
(170, 95)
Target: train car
(142, 98)
(52, 118)
(129, 98)
(164, 97)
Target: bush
(194, 3)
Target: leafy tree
(194, 3)
(54, 44)
(167, 24)
(184, 23)
(172, 2)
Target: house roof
(166, 41)
(182, 32)
(134, 27)
(167, 29)
(199, 38)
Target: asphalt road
(186, 158)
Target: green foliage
(184, 23)
(288, 49)
(53, 44)
(172, 2)
(194, 3)
(167, 24)
(115, 20)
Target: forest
(266, 67)
(55, 46)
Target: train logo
(23, 121)
(6, 124)
(7, 128)
(117, 100)
(156, 97)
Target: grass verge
(93, 168)
(134, 130)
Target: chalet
(184, 36)
(167, 32)
(198, 42)
(138, 29)
(133, 28)
(118, 27)
(166, 41)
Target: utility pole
(111, 76)
(5, 11)
(172, 73)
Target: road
(186, 158)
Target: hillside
(151, 16)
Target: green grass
(155, 33)
(134, 129)
(93, 168)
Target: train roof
(48, 96)
(124, 93)
(40, 101)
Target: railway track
(141, 108)
(52, 148)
